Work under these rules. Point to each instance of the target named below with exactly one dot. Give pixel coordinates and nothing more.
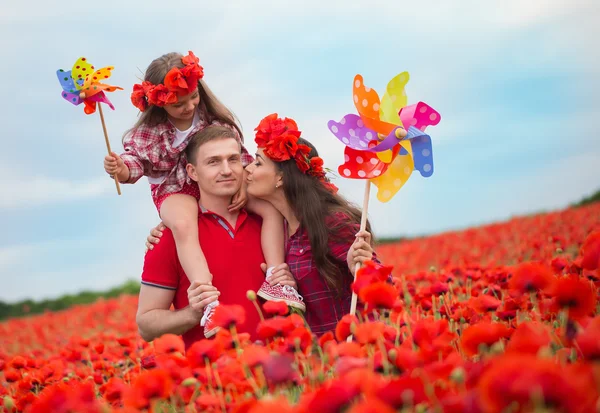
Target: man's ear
(191, 171)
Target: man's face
(218, 167)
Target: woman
(323, 238)
(323, 242)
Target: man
(230, 242)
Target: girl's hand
(239, 200)
(154, 237)
(113, 164)
(360, 251)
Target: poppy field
(499, 318)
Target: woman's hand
(154, 237)
(239, 200)
(360, 251)
(281, 275)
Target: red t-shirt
(234, 256)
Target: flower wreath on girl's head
(178, 82)
(278, 138)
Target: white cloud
(35, 191)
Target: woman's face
(263, 177)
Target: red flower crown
(278, 138)
(178, 82)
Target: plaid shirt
(324, 308)
(149, 152)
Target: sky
(516, 83)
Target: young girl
(176, 103)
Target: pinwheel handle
(107, 142)
(363, 226)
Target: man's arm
(154, 317)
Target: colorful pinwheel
(82, 84)
(374, 150)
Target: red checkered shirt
(324, 308)
(149, 152)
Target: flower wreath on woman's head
(178, 82)
(278, 138)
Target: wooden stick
(108, 144)
(363, 226)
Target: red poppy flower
(272, 126)
(203, 351)
(378, 295)
(484, 303)
(371, 272)
(71, 396)
(138, 96)
(403, 391)
(369, 332)
(574, 294)
(529, 338)
(588, 342)
(148, 386)
(169, 343)
(330, 398)
(227, 316)
(274, 327)
(99, 348)
(482, 333)
(275, 308)
(254, 355)
(278, 369)
(590, 251)
(175, 81)
(344, 327)
(525, 378)
(113, 390)
(316, 167)
(325, 338)
(531, 277)
(371, 405)
(190, 59)
(160, 95)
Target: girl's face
(263, 177)
(185, 107)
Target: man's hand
(201, 295)
(154, 237)
(360, 251)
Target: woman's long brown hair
(312, 203)
(155, 115)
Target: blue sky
(516, 84)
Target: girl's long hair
(312, 204)
(155, 115)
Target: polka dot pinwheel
(385, 142)
(375, 148)
(82, 84)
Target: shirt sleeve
(132, 159)
(161, 266)
(247, 159)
